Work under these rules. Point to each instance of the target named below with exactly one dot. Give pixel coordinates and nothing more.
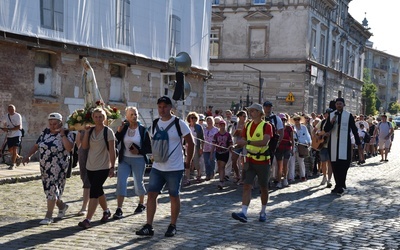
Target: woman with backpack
(284, 151)
(135, 144)
(100, 141)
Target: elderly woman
(209, 158)
(54, 145)
(135, 144)
(100, 141)
(197, 133)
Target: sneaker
(146, 230)
(220, 185)
(171, 231)
(328, 184)
(18, 161)
(82, 212)
(279, 185)
(240, 217)
(285, 183)
(46, 221)
(85, 224)
(263, 217)
(118, 214)
(226, 177)
(11, 167)
(140, 208)
(61, 212)
(106, 215)
(323, 182)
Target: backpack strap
(176, 122)
(105, 135)
(178, 127)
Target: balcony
(393, 99)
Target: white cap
(55, 116)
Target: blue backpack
(160, 141)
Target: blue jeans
(128, 166)
(172, 179)
(209, 163)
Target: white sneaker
(285, 183)
(61, 212)
(323, 182)
(279, 185)
(46, 221)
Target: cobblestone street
(304, 215)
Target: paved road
(302, 216)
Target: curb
(26, 178)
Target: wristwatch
(248, 142)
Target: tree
(394, 108)
(369, 94)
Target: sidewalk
(30, 171)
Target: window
(175, 35)
(123, 22)
(322, 49)
(52, 14)
(257, 42)
(333, 55)
(214, 43)
(340, 66)
(116, 86)
(215, 2)
(313, 44)
(43, 74)
(259, 1)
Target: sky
(384, 20)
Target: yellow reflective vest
(256, 153)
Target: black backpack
(367, 137)
(273, 142)
(105, 135)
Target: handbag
(303, 150)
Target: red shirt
(267, 131)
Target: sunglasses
(297, 119)
(193, 117)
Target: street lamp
(260, 81)
(248, 97)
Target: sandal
(186, 183)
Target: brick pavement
(302, 216)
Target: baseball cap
(201, 117)
(267, 103)
(328, 110)
(256, 106)
(55, 116)
(164, 99)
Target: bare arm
(189, 148)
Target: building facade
(299, 54)
(128, 44)
(384, 73)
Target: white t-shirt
(16, 120)
(128, 140)
(176, 159)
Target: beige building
(299, 54)
(128, 44)
(384, 73)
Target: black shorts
(97, 179)
(222, 157)
(13, 141)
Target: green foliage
(369, 95)
(394, 108)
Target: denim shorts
(172, 180)
(324, 154)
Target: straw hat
(297, 116)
